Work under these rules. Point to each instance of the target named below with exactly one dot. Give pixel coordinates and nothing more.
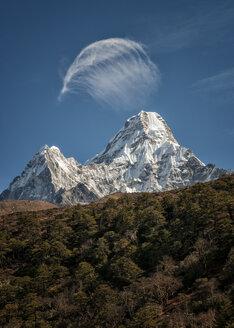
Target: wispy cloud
(202, 27)
(222, 82)
(116, 72)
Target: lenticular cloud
(116, 72)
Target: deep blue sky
(192, 43)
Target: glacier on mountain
(143, 156)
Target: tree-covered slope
(142, 260)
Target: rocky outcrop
(143, 156)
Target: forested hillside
(143, 260)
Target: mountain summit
(141, 134)
(142, 156)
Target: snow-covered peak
(142, 133)
(54, 148)
(153, 125)
(45, 149)
(142, 156)
(48, 165)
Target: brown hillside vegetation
(134, 260)
(12, 206)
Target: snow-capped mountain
(143, 156)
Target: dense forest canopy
(143, 260)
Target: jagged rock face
(143, 156)
(140, 137)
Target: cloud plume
(221, 81)
(116, 72)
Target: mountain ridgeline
(144, 156)
(141, 260)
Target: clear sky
(190, 41)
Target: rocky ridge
(142, 156)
